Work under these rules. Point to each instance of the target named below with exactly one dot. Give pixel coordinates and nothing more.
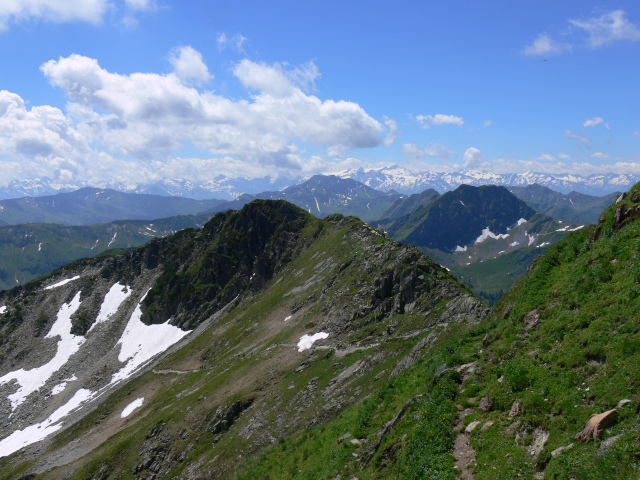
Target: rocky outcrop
(596, 425)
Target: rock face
(223, 309)
(596, 425)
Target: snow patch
(39, 431)
(460, 249)
(61, 386)
(32, 380)
(63, 282)
(3, 309)
(116, 295)
(40, 246)
(306, 341)
(128, 410)
(514, 244)
(140, 343)
(520, 222)
(532, 240)
(112, 240)
(486, 233)
(288, 318)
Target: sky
(134, 91)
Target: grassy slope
(235, 359)
(580, 358)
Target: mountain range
(267, 321)
(88, 206)
(386, 179)
(272, 344)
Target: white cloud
(564, 156)
(636, 133)
(600, 155)
(584, 140)
(235, 42)
(149, 116)
(595, 121)
(439, 119)
(57, 11)
(433, 150)
(544, 45)
(487, 123)
(188, 65)
(608, 28)
(472, 158)
(392, 125)
(545, 157)
(138, 4)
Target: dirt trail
(463, 451)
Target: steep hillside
(458, 218)
(34, 249)
(272, 322)
(405, 205)
(572, 207)
(324, 195)
(545, 388)
(484, 235)
(89, 206)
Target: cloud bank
(144, 119)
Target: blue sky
(138, 90)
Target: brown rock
(487, 426)
(596, 425)
(515, 409)
(485, 404)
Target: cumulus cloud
(188, 65)
(595, 121)
(57, 11)
(149, 116)
(472, 158)
(600, 155)
(608, 28)
(439, 119)
(564, 156)
(433, 150)
(545, 157)
(544, 45)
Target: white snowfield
(487, 233)
(520, 222)
(61, 386)
(112, 301)
(138, 344)
(129, 409)
(63, 282)
(39, 431)
(32, 380)
(306, 341)
(287, 318)
(3, 309)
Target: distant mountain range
(386, 179)
(323, 195)
(573, 207)
(89, 206)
